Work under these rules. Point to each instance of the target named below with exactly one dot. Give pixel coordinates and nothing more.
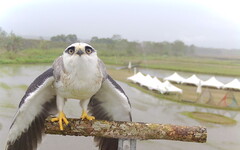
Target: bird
(77, 74)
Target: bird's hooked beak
(80, 52)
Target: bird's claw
(61, 118)
(86, 116)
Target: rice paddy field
(227, 67)
(216, 66)
(210, 97)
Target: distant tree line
(70, 38)
(114, 46)
(12, 42)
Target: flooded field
(164, 73)
(14, 80)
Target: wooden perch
(128, 130)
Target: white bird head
(79, 54)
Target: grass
(22, 86)
(30, 56)
(7, 87)
(186, 64)
(210, 117)
(226, 67)
(7, 105)
(4, 86)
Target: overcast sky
(206, 23)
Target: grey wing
(110, 103)
(37, 103)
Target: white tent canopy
(192, 80)
(171, 88)
(153, 84)
(234, 84)
(137, 78)
(212, 82)
(158, 85)
(175, 77)
(147, 82)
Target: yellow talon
(85, 116)
(61, 118)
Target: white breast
(80, 81)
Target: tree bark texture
(128, 130)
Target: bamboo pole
(128, 130)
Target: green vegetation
(13, 43)
(210, 117)
(118, 51)
(22, 86)
(7, 105)
(70, 38)
(4, 86)
(30, 56)
(187, 64)
(7, 87)
(117, 46)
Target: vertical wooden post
(125, 144)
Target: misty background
(160, 37)
(206, 23)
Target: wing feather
(36, 105)
(110, 103)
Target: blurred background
(154, 37)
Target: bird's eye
(70, 51)
(88, 51)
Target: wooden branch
(128, 130)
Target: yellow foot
(85, 116)
(60, 120)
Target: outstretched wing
(110, 103)
(27, 128)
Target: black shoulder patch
(36, 83)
